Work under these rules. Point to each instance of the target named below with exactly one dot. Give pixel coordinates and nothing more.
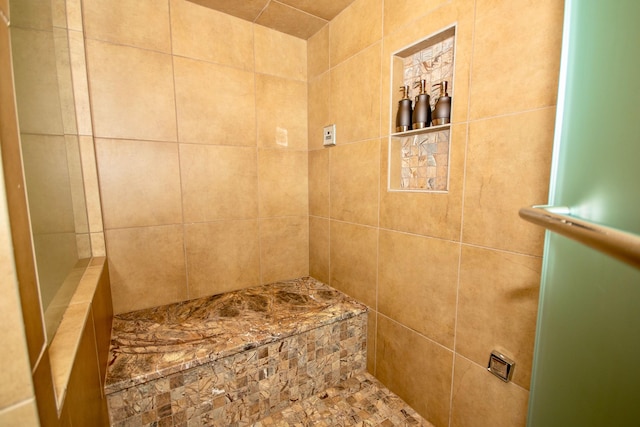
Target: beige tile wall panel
(146, 266)
(132, 94)
(415, 368)
(503, 67)
(138, 23)
(355, 96)
(24, 415)
(353, 261)
(290, 20)
(494, 283)
(222, 256)
(218, 183)
(398, 14)
(428, 214)
(357, 27)
(508, 163)
(215, 104)
(279, 54)
(355, 174)
(246, 9)
(140, 182)
(281, 113)
(318, 53)
(319, 182)
(482, 401)
(418, 283)
(282, 183)
(199, 32)
(323, 9)
(319, 110)
(284, 248)
(319, 245)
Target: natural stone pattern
(234, 358)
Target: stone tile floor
(359, 401)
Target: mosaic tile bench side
(241, 389)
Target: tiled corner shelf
(419, 159)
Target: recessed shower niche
(419, 156)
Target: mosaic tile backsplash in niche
(433, 64)
(425, 161)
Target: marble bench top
(156, 342)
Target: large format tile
(356, 28)
(139, 23)
(215, 104)
(482, 400)
(222, 256)
(218, 182)
(318, 53)
(418, 279)
(284, 248)
(508, 163)
(319, 109)
(497, 307)
(415, 368)
(279, 54)
(525, 47)
(283, 183)
(355, 175)
(281, 109)
(319, 249)
(397, 14)
(139, 183)
(353, 261)
(319, 183)
(132, 94)
(146, 266)
(199, 32)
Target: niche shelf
(419, 159)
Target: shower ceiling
(299, 18)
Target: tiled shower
(213, 177)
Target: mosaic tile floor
(359, 401)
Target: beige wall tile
(325, 10)
(215, 104)
(146, 266)
(132, 92)
(493, 282)
(508, 162)
(482, 400)
(218, 183)
(500, 70)
(222, 256)
(25, 415)
(247, 9)
(319, 249)
(36, 81)
(417, 283)
(139, 182)
(318, 53)
(281, 112)
(355, 177)
(80, 83)
(429, 214)
(397, 14)
(90, 179)
(356, 28)
(284, 248)
(279, 54)
(355, 96)
(319, 109)
(283, 183)
(415, 368)
(289, 20)
(353, 261)
(139, 23)
(200, 32)
(319, 182)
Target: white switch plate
(329, 136)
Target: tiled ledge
(66, 340)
